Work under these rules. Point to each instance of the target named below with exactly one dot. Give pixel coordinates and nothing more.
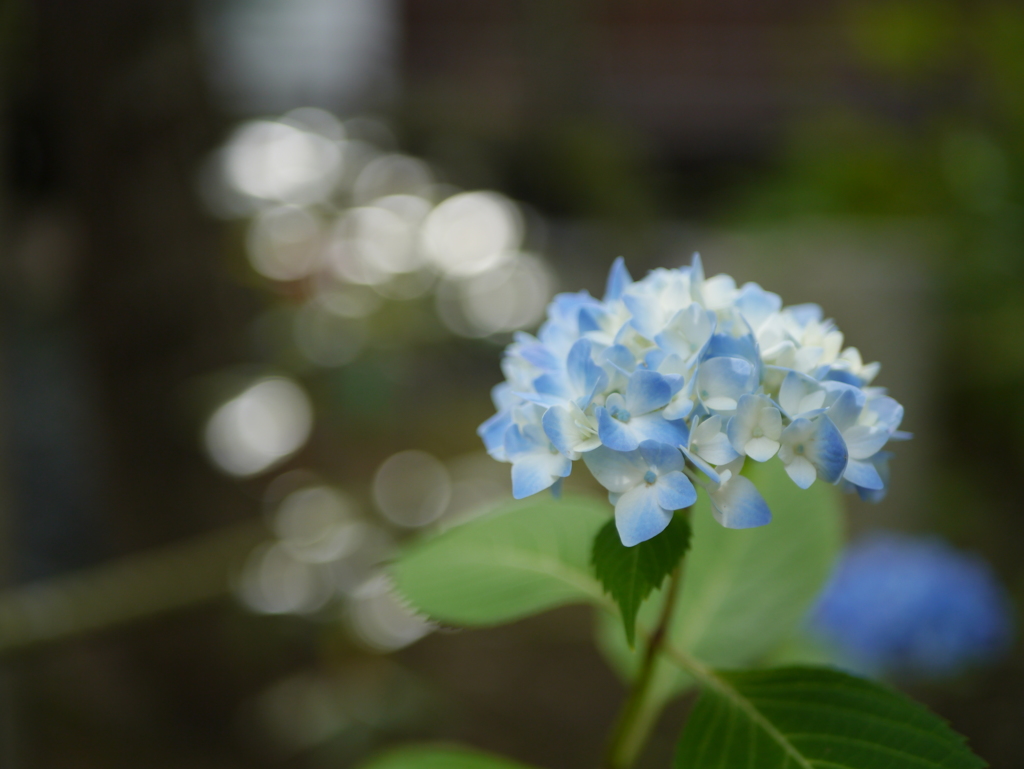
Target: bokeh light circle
(412, 488)
(471, 232)
(258, 428)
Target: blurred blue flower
(704, 375)
(904, 605)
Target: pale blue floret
(721, 382)
(813, 448)
(801, 395)
(709, 372)
(756, 428)
(646, 485)
(756, 305)
(655, 300)
(844, 413)
(625, 421)
(533, 351)
(688, 333)
(735, 501)
(536, 464)
(743, 346)
(709, 444)
(578, 382)
(571, 430)
(620, 360)
(682, 403)
(561, 330)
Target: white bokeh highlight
(263, 425)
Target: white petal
(761, 449)
(617, 471)
(802, 472)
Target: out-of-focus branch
(130, 588)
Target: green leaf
(744, 591)
(629, 574)
(804, 718)
(435, 757)
(522, 559)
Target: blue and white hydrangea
(676, 380)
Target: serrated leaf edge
(711, 679)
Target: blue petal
(661, 457)
(647, 390)
(728, 346)
(846, 377)
(654, 427)
(590, 319)
(638, 517)
(620, 356)
(720, 380)
(805, 313)
(829, 453)
(613, 433)
(493, 433)
(618, 279)
(795, 388)
(846, 409)
(864, 442)
(517, 442)
(654, 358)
(696, 269)
(585, 377)
(556, 489)
(537, 471)
(703, 466)
(617, 471)
(577, 359)
(715, 449)
(550, 385)
(542, 399)
(502, 396)
(540, 356)
(675, 491)
(756, 304)
(881, 463)
(890, 413)
(863, 474)
(645, 317)
(561, 429)
(739, 505)
(746, 418)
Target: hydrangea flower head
(910, 605)
(677, 379)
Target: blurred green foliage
(941, 140)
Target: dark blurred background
(178, 591)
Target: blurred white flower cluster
(329, 206)
(328, 553)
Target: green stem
(637, 715)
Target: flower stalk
(636, 717)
